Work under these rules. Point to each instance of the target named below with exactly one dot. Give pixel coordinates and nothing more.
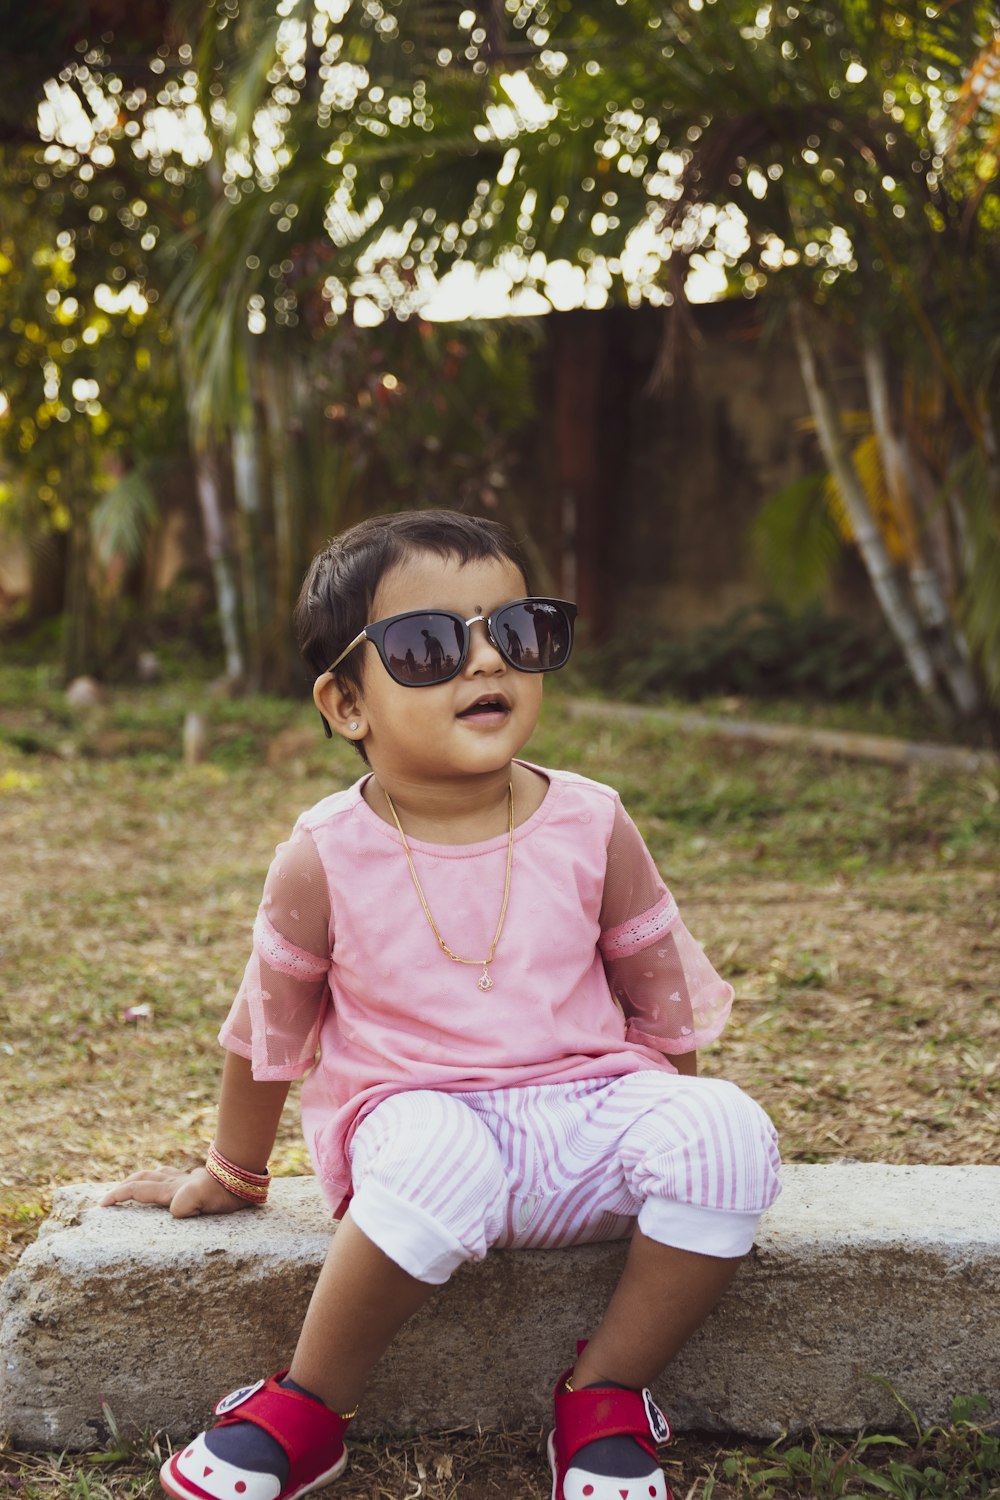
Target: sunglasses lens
(536, 636)
(423, 649)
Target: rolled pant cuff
(406, 1234)
(707, 1231)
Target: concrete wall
(639, 493)
(646, 473)
(860, 1273)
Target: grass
(853, 905)
(957, 1460)
(909, 718)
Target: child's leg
(604, 1441)
(664, 1295)
(703, 1162)
(359, 1304)
(695, 1160)
(293, 1429)
(430, 1193)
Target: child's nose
(483, 654)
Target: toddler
(474, 966)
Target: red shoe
(598, 1412)
(311, 1434)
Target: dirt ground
(855, 909)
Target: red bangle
(240, 1181)
(259, 1179)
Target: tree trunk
(576, 437)
(950, 654)
(933, 516)
(991, 448)
(49, 559)
(282, 391)
(893, 602)
(78, 614)
(977, 501)
(249, 487)
(220, 555)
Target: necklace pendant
(484, 981)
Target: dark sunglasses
(429, 646)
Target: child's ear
(340, 707)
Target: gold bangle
(255, 1179)
(249, 1192)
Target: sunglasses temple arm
(363, 636)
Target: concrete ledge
(859, 1272)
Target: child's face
(427, 733)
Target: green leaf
(795, 542)
(122, 518)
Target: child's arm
(248, 1122)
(272, 1031)
(672, 998)
(685, 1062)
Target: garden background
(741, 397)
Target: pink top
(595, 974)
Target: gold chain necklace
(484, 981)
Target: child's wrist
(251, 1187)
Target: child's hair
(336, 598)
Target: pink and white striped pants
(442, 1178)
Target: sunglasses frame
(375, 633)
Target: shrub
(762, 651)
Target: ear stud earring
(353, 724)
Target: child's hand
(184, 1193)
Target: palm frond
(121, 519)
(795, 541)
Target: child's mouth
(485, 707)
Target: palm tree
(548, 132)
(247, 289)
(491, 135)
(809, 141)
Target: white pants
(442, 1178)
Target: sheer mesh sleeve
(672, 997)
(275, 1018)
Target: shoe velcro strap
(603, 1411)
(296, 1422)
